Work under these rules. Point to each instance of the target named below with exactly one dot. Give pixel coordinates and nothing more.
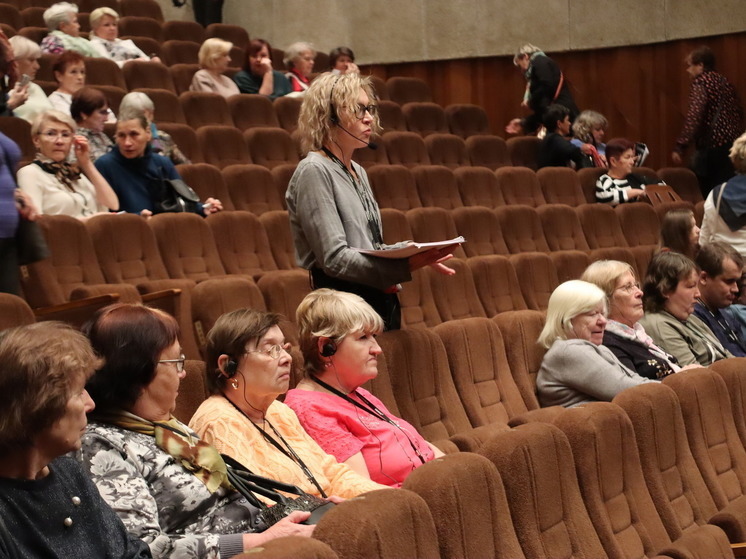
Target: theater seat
(141, 26)
(289, 546)
(283, 293)
(404, 90)
(524, 151)
(425, 118)
(497, 284)
(181, 51)
(249, 111)
(192, 390)
(185, 138)
(447, 149)
(730, 370)
(488, 151)
(277, 225)
(288, 109)
(228, 32)
(433, 224)
(143, 8)
(242, 243)
(520, 186)
(683, 181)
(203, 109)
(252, 188)
(537, 277)
(223, 145)
(207, 182)
(437, 187)
(588, 178)
(481, 228)
(522, 229)
(405, 148)
(102, 71)
(455, 296)
(391, 116)
(562, 228)
(271, 147)
(418, 309)
(466, 120)
(174, 30)
(144, 74)
(560, 185)
(394, 187)
(478, 187)
(167, 106)
(182, 75)
(14, 311)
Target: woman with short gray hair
(105, 38)
(64, 31)
(299, 60)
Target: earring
(234, 383)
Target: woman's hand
(266, 63)
(336, 499)
(435, 258)
(352, 68)
(676, 158)
(288, 526)
(25, 205)
(212, 205)
(586, 149)
(514, 127)
(17, 96)
(82, 150)
(635, 193)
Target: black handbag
(173, 195)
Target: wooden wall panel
(642, 90)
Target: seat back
(242, 243)
(192, 390)
(466, 120)
(394, 187)
(425, 118)
(488, 151)
(141, 26)
(437, 187)
(207, 182)
(524, 151)
(730, 370)
(561, 227)
(406, 148)
(448, 150)
(537, 276)
(391, 116)
(252, 188)
(146, 74)
(14, 311)
(271, 147)
(19, 130)
(223, 145)
(185, 139)
(639, 224)
(180, 51)
(481, 228)
(523, 229)
(496, 283)
(167, 106)
(683, 181)
(549, 517)
(433, 224)
(249, 111)
(287, 110)
(142, 8)
(478, 187)
(561, 185)
(277, 225)
(228, 32)
(408, 90)
(455, 296)
(395, 226)
(368, 158)
(183, 31)
(520, 185)
(182, 75)
(588, 177)
(601, 226)
(418, 309)
(283, 293)
(102, 71)
(202, 109)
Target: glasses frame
(630, 287)
(275, 349)
(54, 134)
(371, 109)
(179, 362)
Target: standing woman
(331, 205)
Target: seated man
(720, 271)
(619, 184)
(556, 150)
(137, 174)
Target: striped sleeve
(611, 191)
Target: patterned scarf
(638, 334)
(64, 171)
(177, 440)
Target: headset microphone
(371, 145)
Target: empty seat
(203, 109)
(433, 224)
(478, 187)
(148, 45)
(408, 90)
(167, 106)
(395, 226)
(271, 147)
(522, 229)
(730, 370)
(102, 71)
(601, 226)
(447, 149)
(282, 175)
(639, 222)
(425, 118)
(520, 185)
(288, 109)
(488, 151)
(19, 130)
(562, 229)
(222, 146)
(142, 8)
(7, 29)
(466, 120)
(497, 284)
(560, 185)
(406, 148)
(140, 26)
(141, 73)
(252, 188)
(455, 296)
(242, 243)
(368, 158)
(282, 294)
(537, 277)
(228, 32)
(207, 182)
(11, 16)
(524, 151)
(394, 187)
(379, 86)
(14, 311)
(182, 75)
(391, 117)
(683, 181)
(180, 51)
(277, 225)
(437, 187)
(481, 228)
(249, 111)
(185, 138)
(183, 31)
(570, 264)
(418, 309)
(32, 17)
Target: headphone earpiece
(333, 116)
(231, 368)
(328, 349)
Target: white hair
(24, 47)
(294, 51)
(58, 14)
(570, 299)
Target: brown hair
(703, 55)
(85, 101)
(665, 271)
(710, 258)
(616, 147)
(255, 45)
(67, 58)
(676, 228)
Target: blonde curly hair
(331, 93)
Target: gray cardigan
(690, 341)
(328, 222)
(577, 371)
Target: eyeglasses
(372, 110)
(179, 362)
(629, 287)
(54, 134)
(274, 351)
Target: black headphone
(230, 368)
(333, 117)
(328, 349)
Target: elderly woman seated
(90, 110)
(57, 186)
(64, 31)
(624, 335)
(105, 39)
(578, 368)
(590, 128)
(138, 103)
(214, 59)
(669, 294)
(248, 368)
(168, 487)
(338, 339)
(679, 233)
(299, 59)
(26, 54)
(48, 505)
(258, 76)
(619, 184)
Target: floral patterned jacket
(160, 501)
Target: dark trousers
(712, 167)
(208, 11)
(385, 304)
(9, 277)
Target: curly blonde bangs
(586, 122)
(341, 91)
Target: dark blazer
(637, 357)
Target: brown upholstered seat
(282, 175)
(425, 118)
(242, 243)
(14, 311)
(35, 34)
(181, 51)
(522, 229)
(150, 46)
(732, 372)
(228, 32)
(19, 130)
(570, 264)
(32, 16)
(639, 222)
(207, 182)
(113, 94)
(520, 185)
(601, 226)
(153, 75)
(549, 517)
(562, 228)
(167, 106)
(408, 90)
(184, 137)
(497, 284)
(561, 185)
(418, 309)
(481, 371)
(481, 228)
(288, 109)
(102, 71)
(433, 224)
(249, 111)
(466, 120)
(455, 296)
(447, 149)
(480, 509)
(192, 390)
(284, 292)
(371, 157)
(524, 151)
(203, 109)
(537, 277)
(391, 116)
(271, 147)
(488, 151)
(182, 75)
(588, 178)
(406, 148)
(478, 187)
(143, 8)
(394, 187)
(277, 225)
(379, 86)
(395, 226)
(141, 26)
(289, 546)
(222, 146)
(175, 30)
(10, 15)
(437, 187)
(683, 181)
(252, 188)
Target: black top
(557, 151)
(637, 357)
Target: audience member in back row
(27, 54)
(624, 335)
(619, 184)
(720, 268)
(679, 233)
(64, 31)
(669, 295)
(299, 60)
(258, 76)
(577, 368)
(555, 149)
(137, 174)
(104, 38)
(590, 128)
(90, 110)
(725, 210)
(342, 60)
(48, 505)
(337, 333)
(138, 103)
(56, 186)
(713, 121)
(214, 59)
(331, 205)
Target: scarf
(177, 440)
(64, 171)
(732, 207)
(78, 44)
(638, 334)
